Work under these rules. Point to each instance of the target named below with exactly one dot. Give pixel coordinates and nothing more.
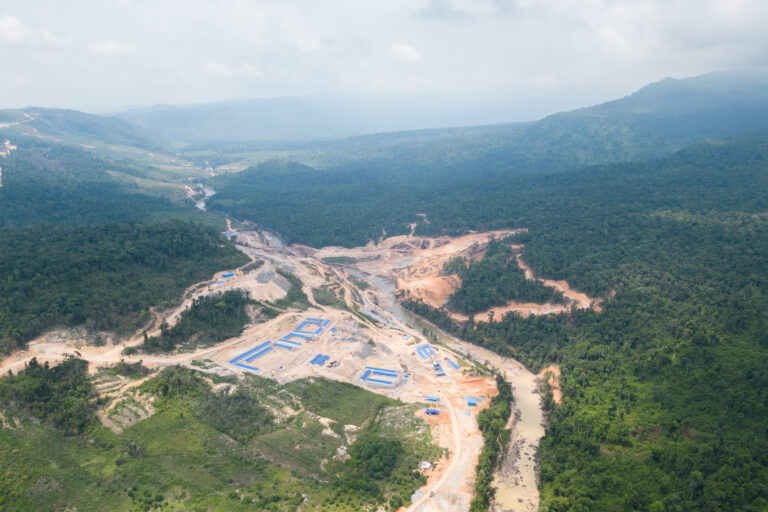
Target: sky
(515, 59)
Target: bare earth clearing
(551, 374)
(353, 342)
(418, 263)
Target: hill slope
(72, 126)
(656, 120)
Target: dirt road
(27, 119)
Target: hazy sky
(100, 55)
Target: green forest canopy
(496, 279)
(209, 320)
(104, 277)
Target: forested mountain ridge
(352, 206)
(657, 120)
(105, 277)
(75, 127)
(672, 112)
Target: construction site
(367, 340)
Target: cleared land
(370, 343)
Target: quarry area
(365, 339)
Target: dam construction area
(359, 336)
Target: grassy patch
(130, 370)
(362, 285)
(254, 265)
(326, 297)
(367, 318)
(341, 260)
(295, 297)
(214, 452)
(342, 402)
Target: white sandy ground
(450, 483)
(5, 150)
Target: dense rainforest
(350, 205)
(209, 319)
(494, 280)
(81, 247)
(318, 208)
(492, 422)
(62, 396)
(102, 276)
(51, 183)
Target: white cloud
(249, 70)
(215, 68)
(405, 53)
(465, 9)
(15, 31)
(243, 70)
(440, 9)
(49, 37)
(111, 48)
(503, 51)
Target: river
(516, 480)
(207, 192)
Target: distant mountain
(253, 119)
(656, 120)
(72, 126)
(305, 118)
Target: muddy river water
(517, 479)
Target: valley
(557, 315)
